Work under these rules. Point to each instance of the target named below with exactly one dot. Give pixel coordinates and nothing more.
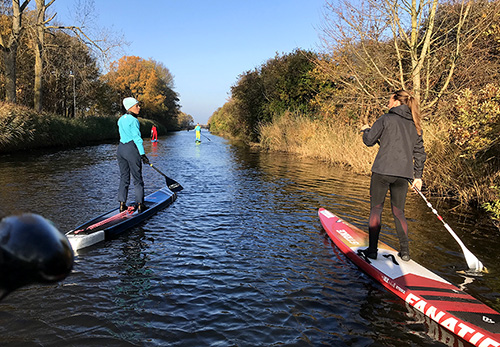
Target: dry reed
(446, 173)
(342, 144)
(328, 141)
(21, 128)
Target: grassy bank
(447, 172)
(22, 128)
(317, 139)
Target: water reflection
(240, 259)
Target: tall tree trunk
(10, 50)
(10, 73)
(418, 58)
(37, 101)
(39, 44)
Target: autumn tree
(283, 84)
(73, 76)
(477, 63)
(103, 42)
(148, 81)
(226, 121)
(24, 38)
(185, 121)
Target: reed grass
(331, 141)
(16, 123)
(446, 173)
(21, 128)
(449, 173)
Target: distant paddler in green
(197, 129)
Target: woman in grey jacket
(400, 158)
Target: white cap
(129, 102)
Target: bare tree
(9, 46)
(104, 43)
(382, 45)
(41, 22)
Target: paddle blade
(173, 185)
(472, 262)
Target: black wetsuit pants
(129, 162)
(398, 187)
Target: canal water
(239, 259)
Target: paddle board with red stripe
(428, 293)
(114, 222)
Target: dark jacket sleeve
(419, 157)
(371, 136)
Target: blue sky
(207, 44)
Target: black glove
(145, 159)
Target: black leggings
(398, 187)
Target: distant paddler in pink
(154, 134)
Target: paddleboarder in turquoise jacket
(400, 158)
(130, 153)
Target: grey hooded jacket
(401, 151)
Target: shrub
(476, 124)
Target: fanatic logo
(488, 320)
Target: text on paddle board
(453, 324)
(347, 236)
(393, 284)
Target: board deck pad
(114, 222)
(428, 293)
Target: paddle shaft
(207, 137)
(472, 261)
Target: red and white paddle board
(430, 294)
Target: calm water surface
(240, 259)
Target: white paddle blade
(472, 261)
